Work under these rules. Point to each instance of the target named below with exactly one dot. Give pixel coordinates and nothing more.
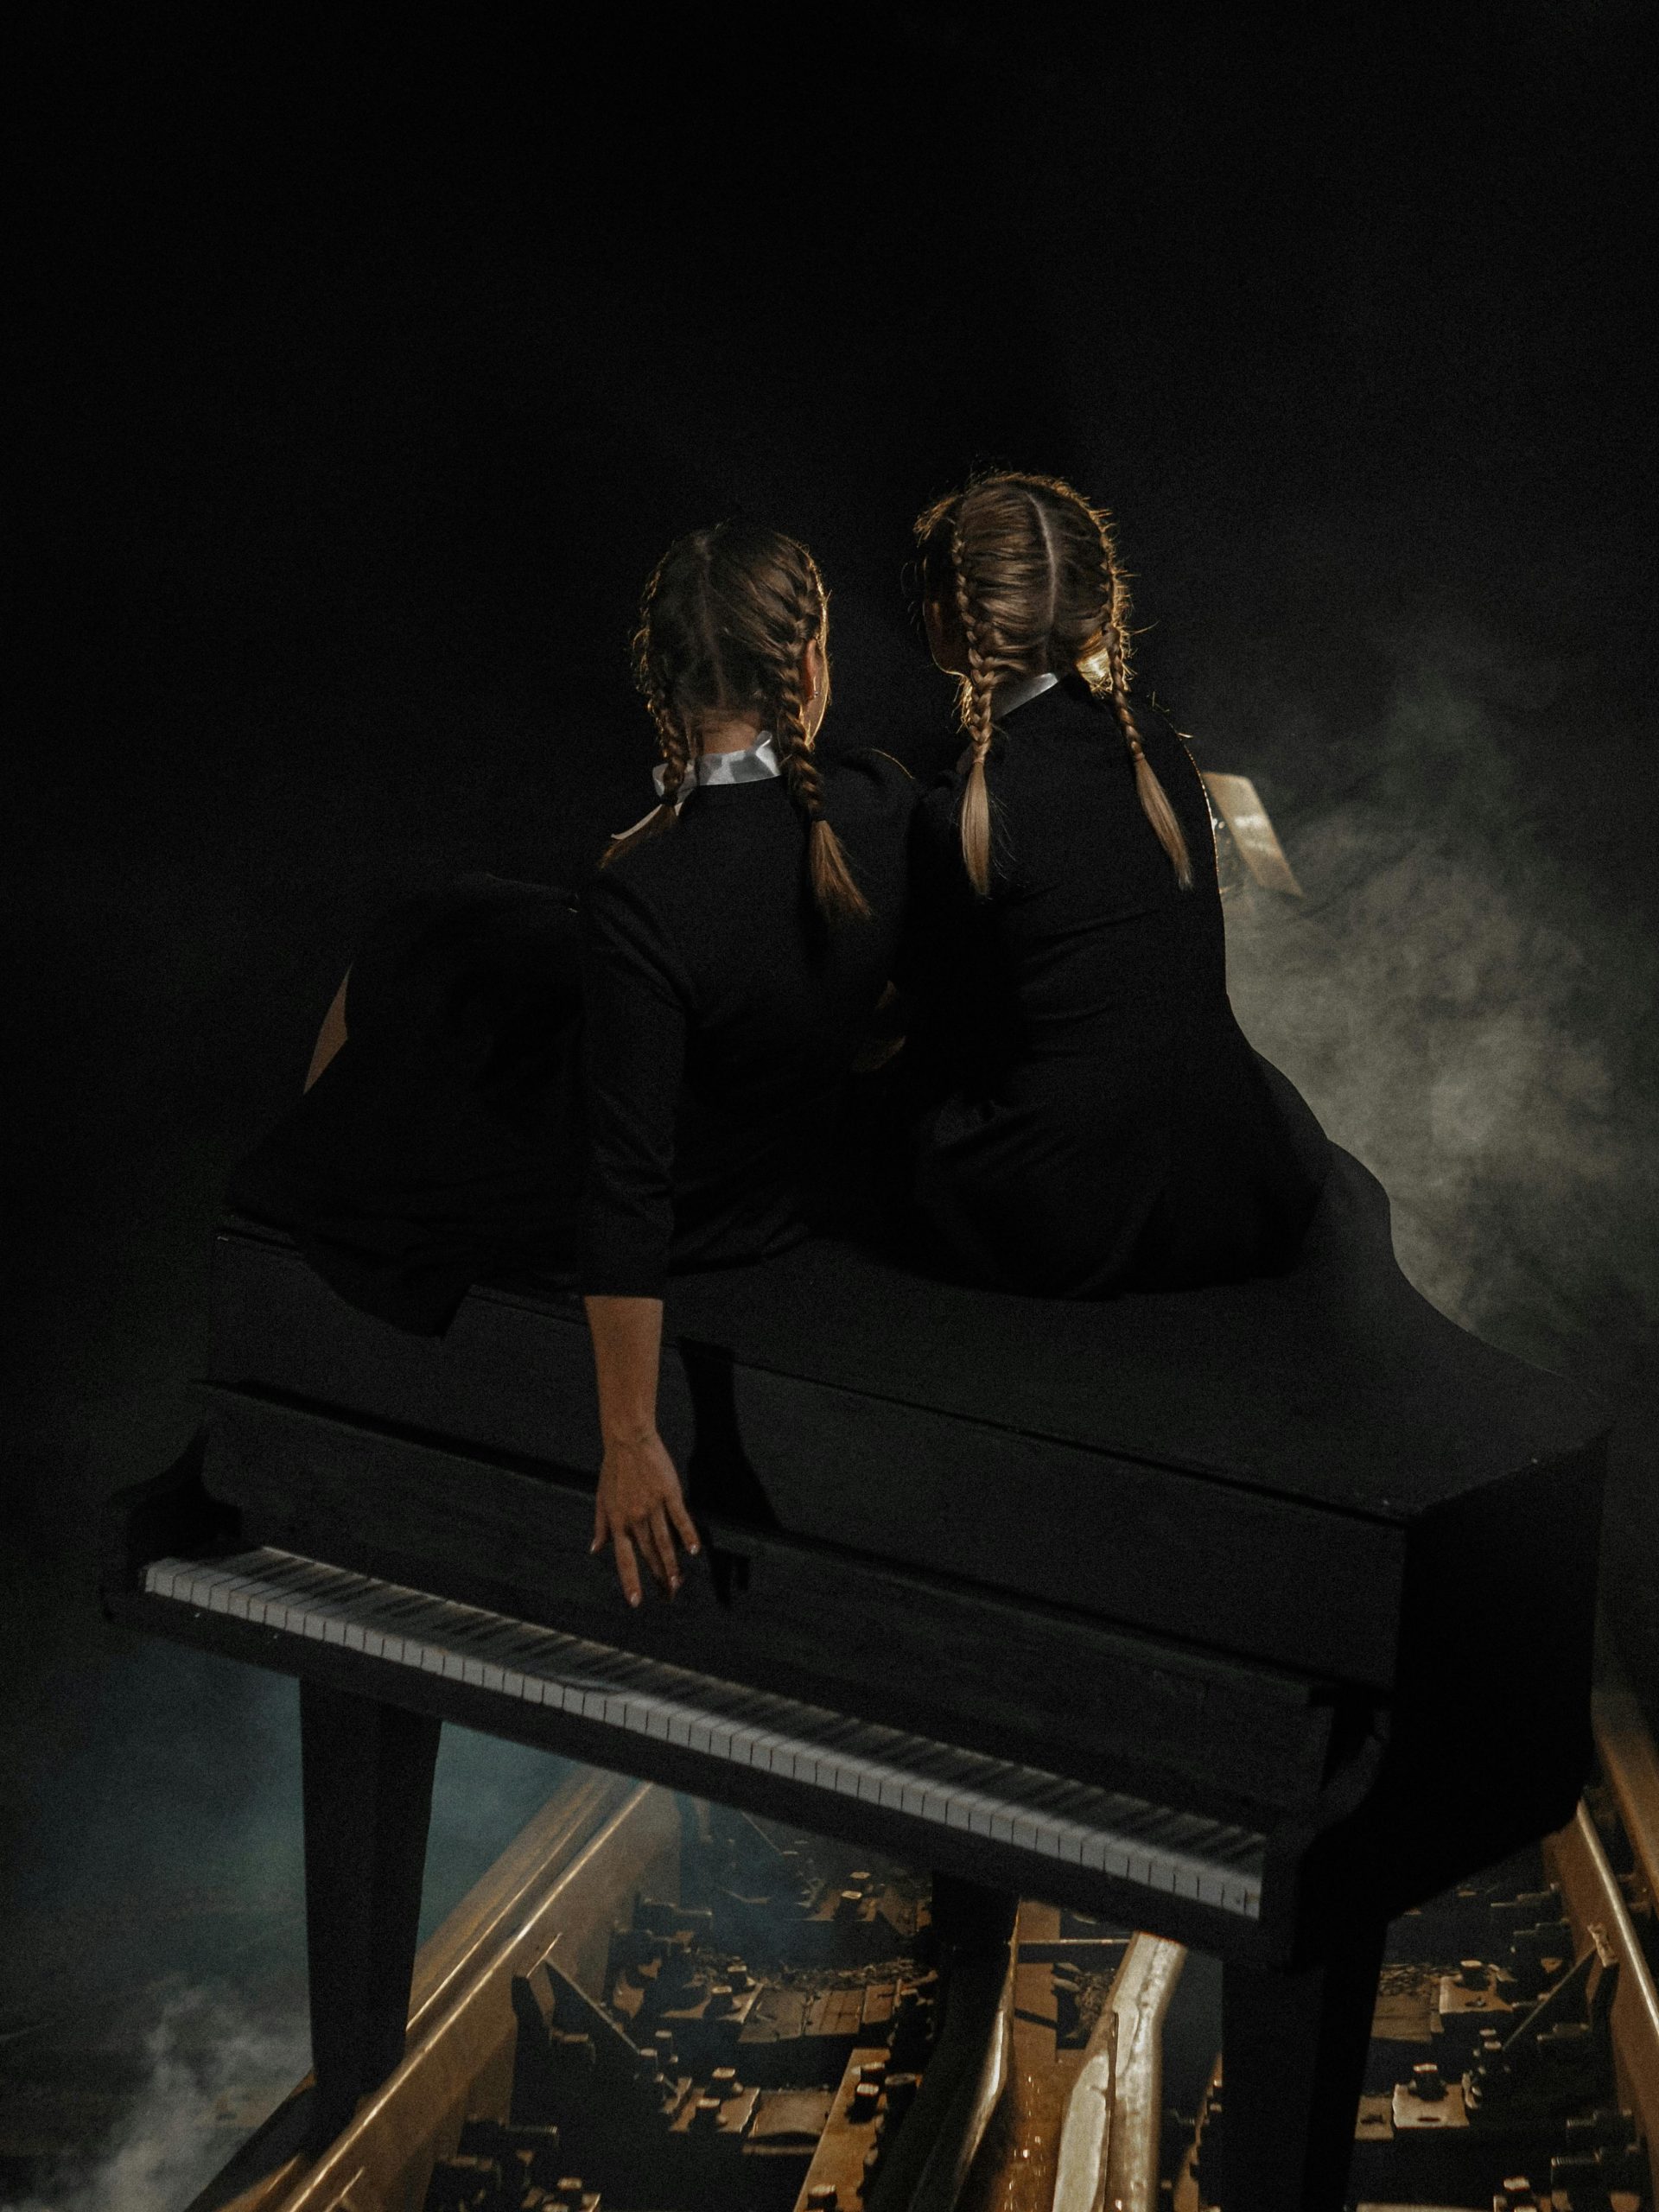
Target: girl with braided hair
(738, 941)
(608, 1090)
(1094, 1119)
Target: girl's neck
(729, 733)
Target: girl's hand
(640, 1509)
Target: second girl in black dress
(1095, 1119)
(726, 957)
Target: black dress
(1092, 1116)
(597, 1091)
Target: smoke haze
(1471, 1017)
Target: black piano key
(939, 1782)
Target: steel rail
(560, 1884)
(1629, 1766)
(1111, 2140)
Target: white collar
(1019, 693)
(755, 765)
(1010, 696)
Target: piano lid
(1337, 1385)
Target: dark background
(366, 375)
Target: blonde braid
(833, 886)
(1107, 669)
(726, 618)
(975, 708)
(673, 747)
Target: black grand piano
(1251, 1617)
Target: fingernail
(694, 1550)
(635, 1598)
(675, 1583)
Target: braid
(1037, 590)
(724, 623)
(833, 886)
(673, 745)
(1114, 679)
(976, 688)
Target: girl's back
(723, 1013)
(1096, 1119)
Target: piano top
(1337, 1383)
(1300, 1470)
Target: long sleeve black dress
(600, 1091)
(1094, 1119)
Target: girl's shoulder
(872, 779)
(1153, 716)
(868, 794)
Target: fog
(1465, 1012)
(211, 2071)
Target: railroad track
(1046, 2078)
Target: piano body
(1248, 1617)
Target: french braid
(725, 623)
(1112, 677)
(978, 685)
(833, 886)
(1036, 585)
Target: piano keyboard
(938, 1783)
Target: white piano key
(839, 1741)
(293, 1607)
(936, 1805)
(298, 1578)
(251, 1598)
(835, 1739)
(518, 1646)
(650, 1716)
(1156, 1848)
(724, 1736)
(792, 1758)
(404, 1633)
(981, 1813)
(1025, 1829)
(774, 1754)
(804, 1767)
(198, 1581)
(744, 1740)
(216, 1596)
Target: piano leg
(368, 1782)
(1293, 2049)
